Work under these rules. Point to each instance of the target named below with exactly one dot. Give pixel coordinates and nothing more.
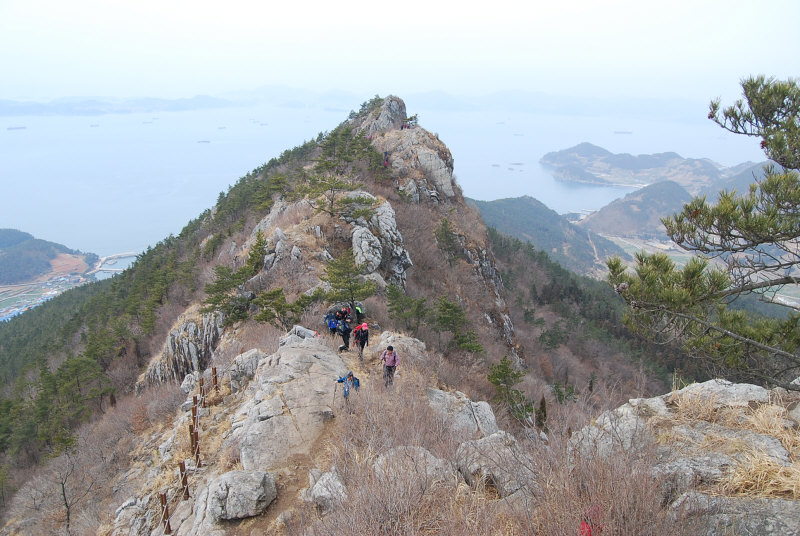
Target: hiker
(330, 321)
(591, 524)
(344, 330)
(361, 338)
(359, 314)
(389, 358)
(350, 382)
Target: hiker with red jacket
(361, 338)
(389, 358)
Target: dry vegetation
(409, 501)
(754, 474)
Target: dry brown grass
(755, 473)
(758, 475)
(770, 419)
(691, 407)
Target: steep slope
(526, 218)
(639, 213)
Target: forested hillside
(526, 218)
(24, 258)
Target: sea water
(122, 182)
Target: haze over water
(114, 183)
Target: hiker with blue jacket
(331, 322)
(349, 382)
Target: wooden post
(202, 392)
(214, 379)
(165, 513)
(196, 448)
(192, 435)
(184, 480)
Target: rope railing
(172, 497)
(169, 505)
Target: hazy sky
(176, 48)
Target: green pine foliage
(504, 377)
(755, 234)
(275, 309)
(222, 295)
(343, 275)
(447, 240)
(450, 317)
(408, 312)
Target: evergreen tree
(447, 240)
(408, 311)
(275, 309)
(503, 376)
(345, 280)
(449, 316)
(754, 239)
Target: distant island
(34, 270)
(102, 105)
(587, 163)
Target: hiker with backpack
(361, 338)
(349, 382)
(344, 330)
(389, 358)
(330, 321)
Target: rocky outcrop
(416, 463)
(327, 491)
(720, 516)
(377, 243)
(463, 416)
(389, 116)
(421, 164)
(240, 494)
(188, 348)
(498, 461)
(243, 368)
(290, 399)
(702, 436)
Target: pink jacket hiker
(390, 358)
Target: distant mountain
(102, 105)
(639, 213)
(589, 163)
(24, 258)
(528, 219)
(738, 178)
